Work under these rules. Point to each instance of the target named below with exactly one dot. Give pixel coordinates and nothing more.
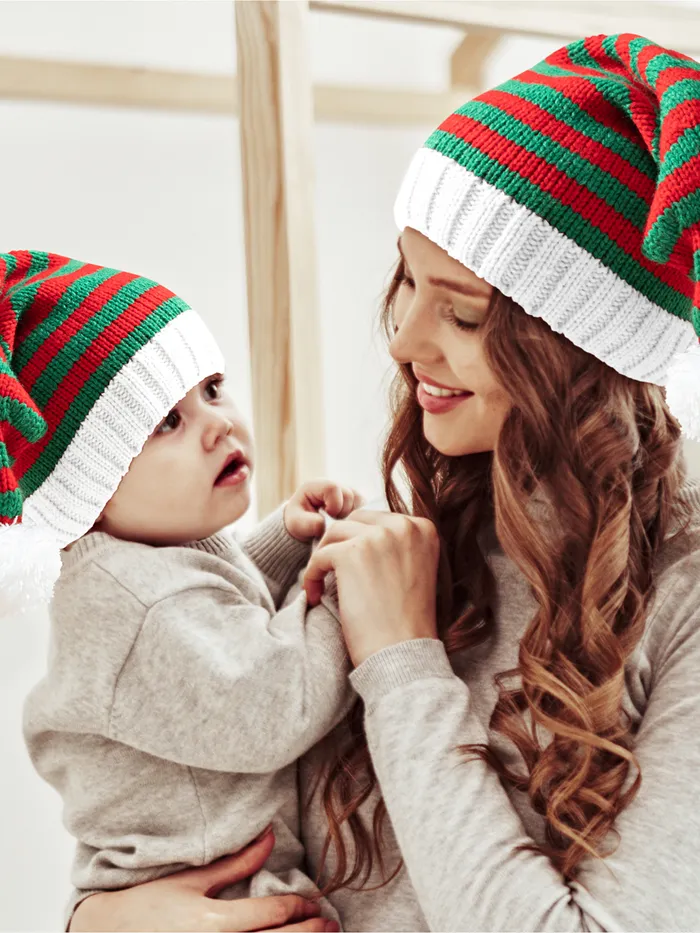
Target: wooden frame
(277, 104)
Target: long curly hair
(604, 453)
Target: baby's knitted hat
(575, 190)
(91, 360)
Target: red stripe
(596, 153)
(11, 388)
(594, 47)
(622, 47)
(644, 59)
(537, 170)
(48, 294)
(588, 98)
(93, 357)
(91, 305)
(8, 481)
(682, 255)
(682, 116)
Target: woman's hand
(386, 567)
(185, 901)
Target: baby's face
(193, 476)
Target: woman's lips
(439, 404)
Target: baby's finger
(333, 501)
(351, 500)
(307, 525)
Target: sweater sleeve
(276, 554)
(241, 690)
(461, 837)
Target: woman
(529, 672)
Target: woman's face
(438, 315)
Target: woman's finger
(212, 878)
(322, 562)
(319, 924)
(265, 913)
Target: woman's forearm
(461, 836)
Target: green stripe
(636, 46)
(5, 459)
(39, 263)
(663, 61)
(684, 90)
(695, 271)
(661, 240)
(55, 373)
(685, 147)
(569, 112)
(5, 348)
(29, 424)
(11, 504)
(580, 54)
(10, 263)
(563, 218)
(95, 386)
(616, 195)
(23, 298)
(72, 298)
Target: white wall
(160, 194)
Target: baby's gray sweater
(177, 701)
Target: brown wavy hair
(604, 454)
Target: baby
(180, 692)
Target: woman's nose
(415, 337)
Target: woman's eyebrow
(471, 291)
(464, 288)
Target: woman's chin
(451, 443)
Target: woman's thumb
(213, 878)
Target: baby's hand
(301, 517)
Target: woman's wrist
(400, 664)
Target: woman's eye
(452, 318)
(407, 281)
(169, 423)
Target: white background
(160, 194)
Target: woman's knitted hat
(575, 190)
(91, 360)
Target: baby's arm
(214, 681)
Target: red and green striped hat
(574, 189)
(91, 360)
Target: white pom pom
(683, 390)
(30, 562)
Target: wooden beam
(117, 86)
(670, 24)
(470, 56)
(114, 86)
(277, 157)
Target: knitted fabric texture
(574, 188)
(91, 360)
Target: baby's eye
(169, 423)
(213, 388)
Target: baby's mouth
(234, 467)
